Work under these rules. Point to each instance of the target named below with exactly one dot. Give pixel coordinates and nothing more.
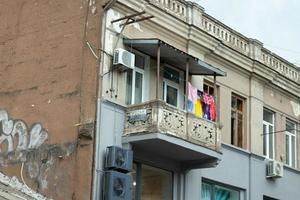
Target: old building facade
(63, 101)
(177, 154)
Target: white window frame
(134, 71)
(179, 86)
(268, 134)
(173, 85)
(145, 73)
(290, 134)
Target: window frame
(234, 132)
(267, 135)
(214, 184)
(290, 135)
(178, 86)
(133, 72)
(210, 87)
(138, 182)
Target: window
(171, 86)
(268, 198)
(136, 82)
(208, 88)
(151, 183)
(268, 134)
(237, 120)
(290, 144)
(216, 192)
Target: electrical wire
(286, 130)
(21, 172)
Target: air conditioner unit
(118, 186)
(274, 169)
(119, 159)
(123, 60)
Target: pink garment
(213, 110)
(192, 93)
(208, 99)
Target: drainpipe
(96, 152)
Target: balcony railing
(159, 117)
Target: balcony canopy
(173, 56)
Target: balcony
(163, 131)
(158, 117)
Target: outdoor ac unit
(119, 159)
(117, 186)
(274, 169)
(123, 60)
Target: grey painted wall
(247, 172)
(110, 125)
(238, 168)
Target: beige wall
(259, 85)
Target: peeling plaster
(113, 15)
(30, 149)
(137, 26)
(14, 183)
(296, 108)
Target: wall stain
(69, 94)
(17, 92)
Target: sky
(276, 23)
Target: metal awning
(173, 56)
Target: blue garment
(190, 106)
(206, 112)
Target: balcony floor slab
(181, 154)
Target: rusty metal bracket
(132, 18)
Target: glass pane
(138, 87)
(172, 94)
(233, 127)
(233, 102)
(133, 174)
(129, 88)
(265, 139)
(222, 193)
(240, 130)
(171, 74)
(268, 116)
(271, 142)
(156, 184)
(290, 127)
(206, 191)
(287, 149)
(139, 61)
(240, 105)
(293, 151)
(205, 88)
(211, 91)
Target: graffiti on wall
(16, 135)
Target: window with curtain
(212, 191)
